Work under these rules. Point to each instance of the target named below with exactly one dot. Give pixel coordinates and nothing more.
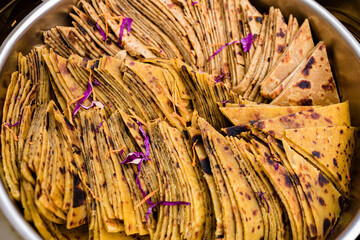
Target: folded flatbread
(248, 113)
(325, 201)
(332, 115)
(313, 84)
(328, 148)
(301, 44)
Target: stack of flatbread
(283, 67)
(151, 120)
(307, 149)
(191, 31)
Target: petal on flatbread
(280, 179)
(255, 60)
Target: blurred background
(347, 11)
(11, 13)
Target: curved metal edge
(13, 215)
(7, 206)
(22, 26)
(337, 25)
(352, 231)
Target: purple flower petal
(128, 28)
(121, 31)
(194, 3)
(247, 42)
(146, 141)
(137, 180)
(101, 32)
(97, 128)
(133, 157)
(76, 109)
(96, 82)
(220, 49)
(87, 94)
(149, 211)
(126, 22)
(277, 166)
(275, 159)
(261, 195)
(222, 76)
(138, 158)
(141, 129)
(87, 107)
(219, 78)
(18, 122)
(93, 103)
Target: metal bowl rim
(7, 206)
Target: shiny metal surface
(343, 50)
(11, 13)
(347, 11)
(26, 35)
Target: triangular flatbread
(280, 87)
(293, 26)
(225, 194)
(244, 115)
(255, 60)
(218, 226)
(237, 182)
(254, 17)
(300, 46)
(332, 115)
(263, 64)
(330, 149)
(313, 85)
(280, 179)
(308, 217)
(153, 77)
(325, 201)
(277, 226)
(281, 29)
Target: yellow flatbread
(313, 84)
(301, 44)
(325, 201)
(332, 115)
(330, 148)
(244, 115)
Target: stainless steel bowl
(343, 50)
